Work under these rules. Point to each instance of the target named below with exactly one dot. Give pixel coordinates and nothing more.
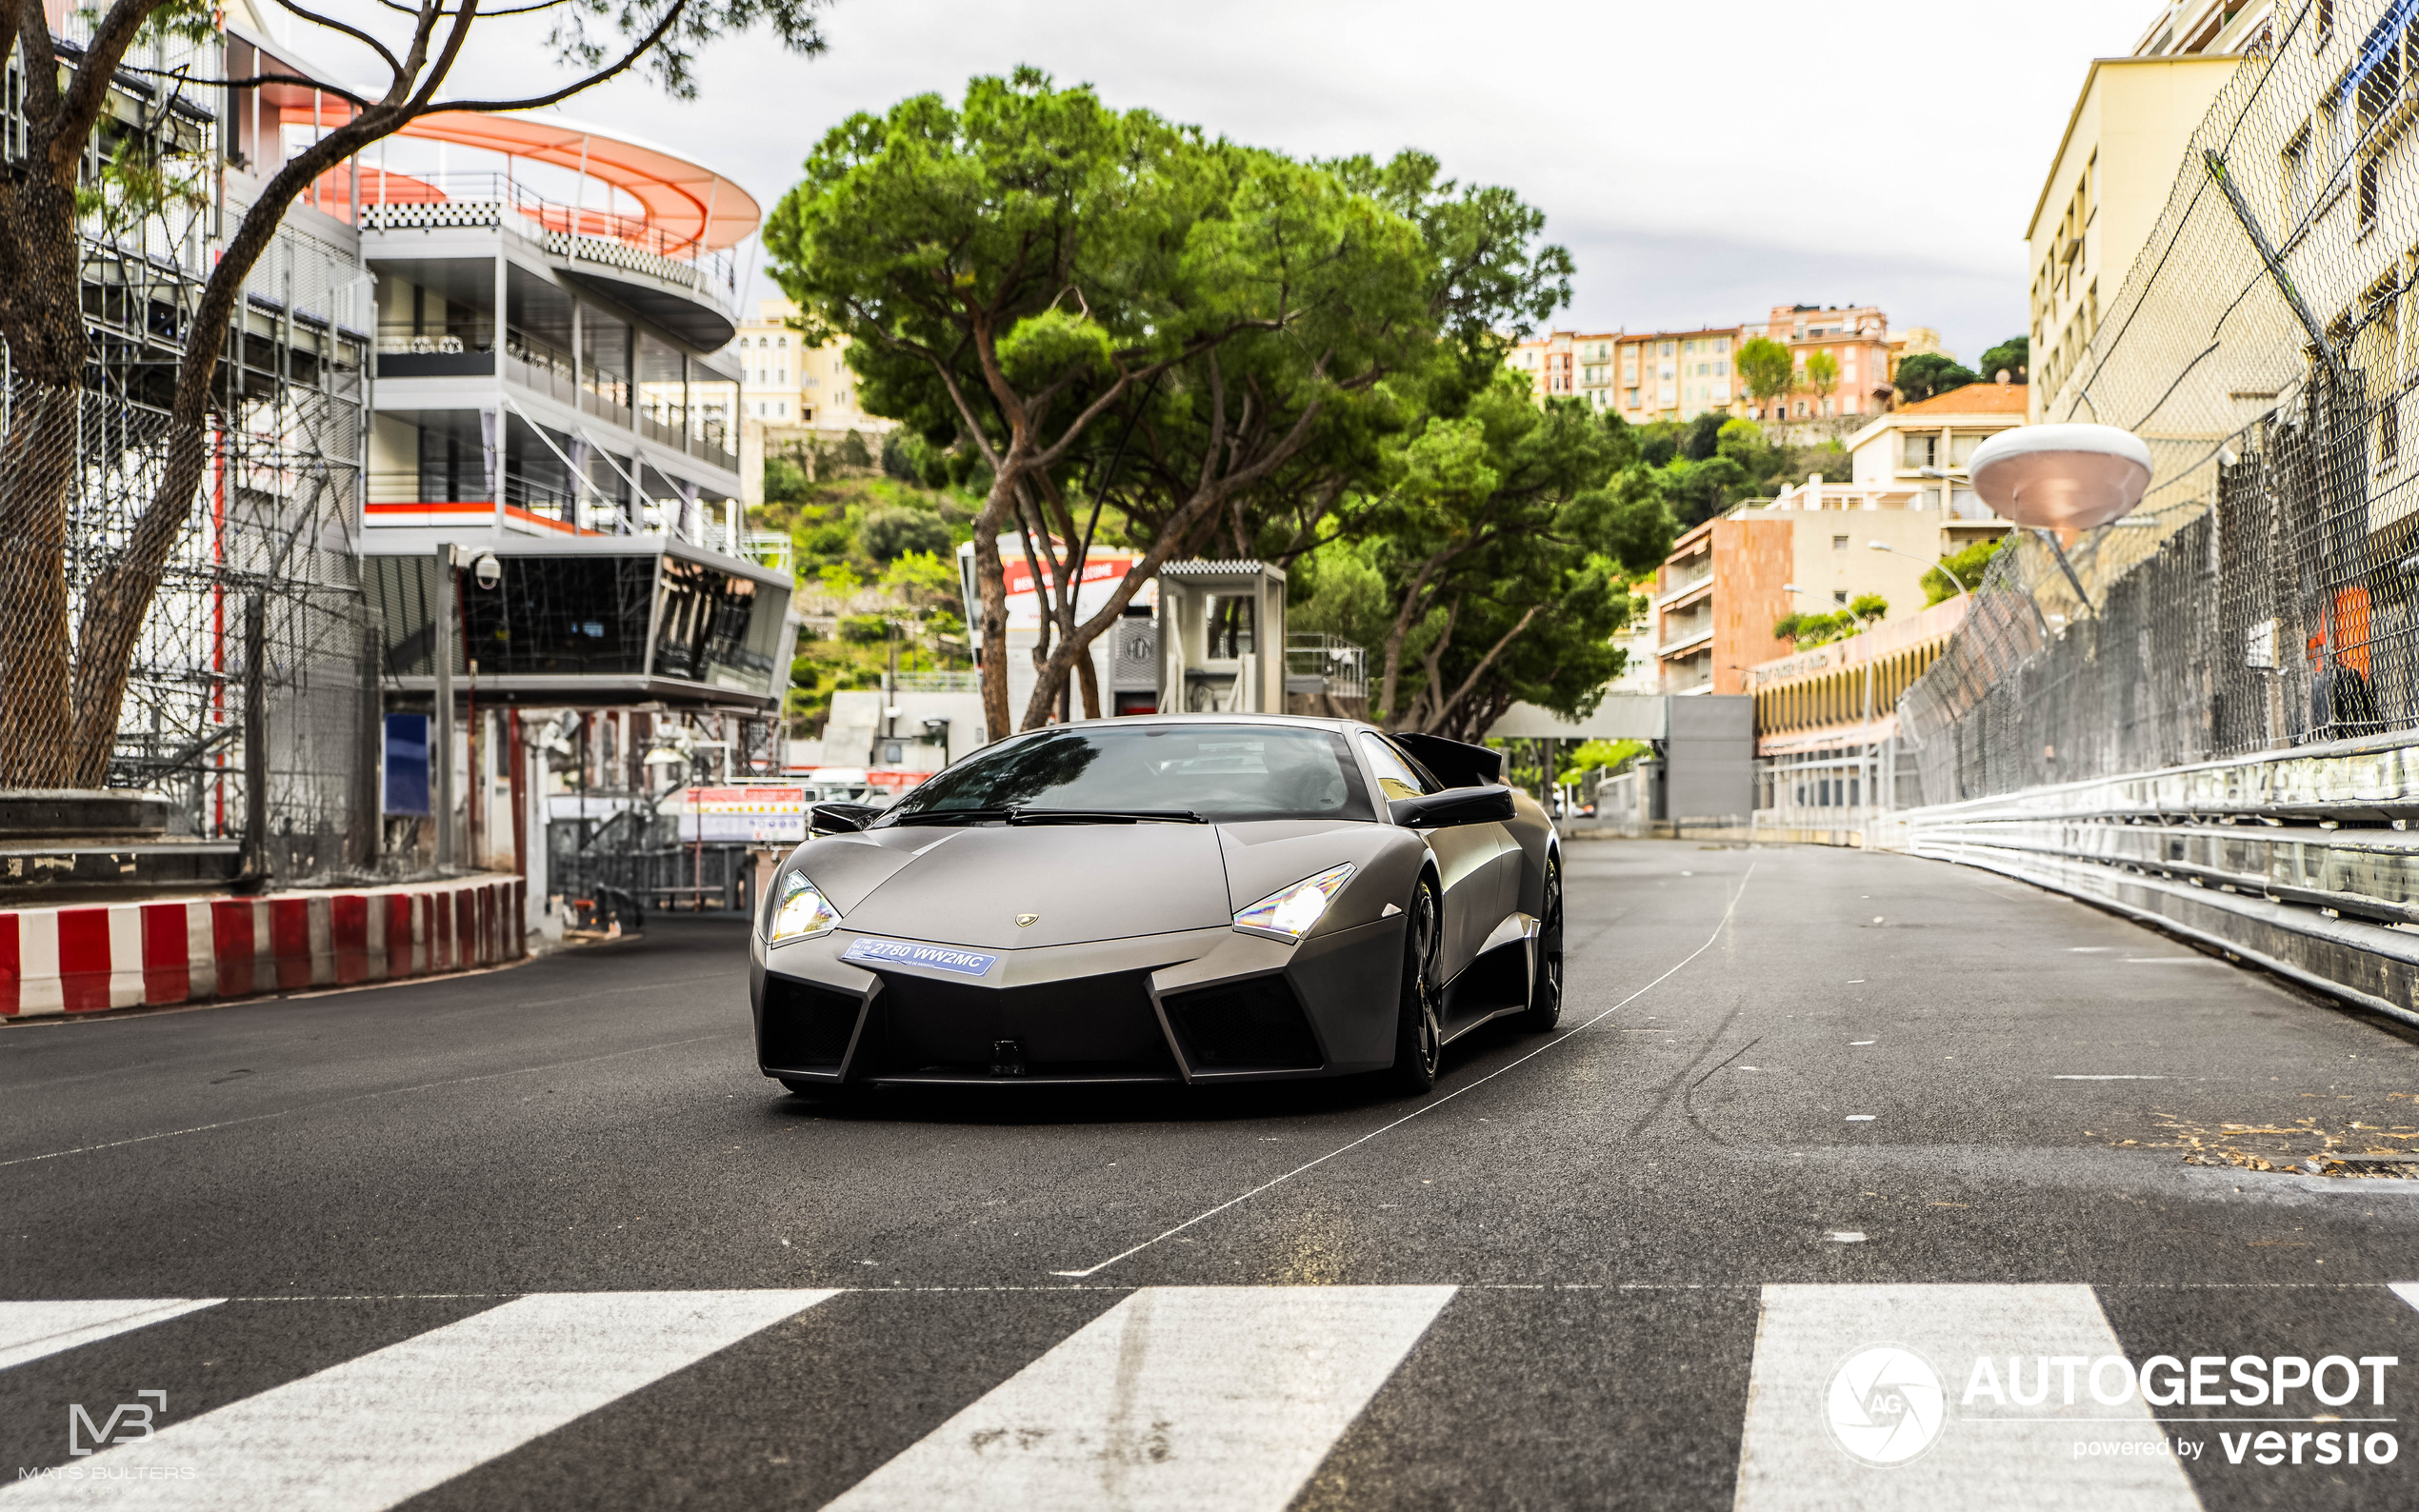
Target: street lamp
(1942, 566)
(2065, 477)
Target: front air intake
(1255, 1024)
(806, 1027)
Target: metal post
(256, 737)
(441, 743)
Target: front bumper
(1199, 1005)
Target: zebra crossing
(1246, 1398)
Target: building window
(2368, 194)
(1839, 543)
(2326, 24)
(1839, 595)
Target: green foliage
(925, 579)
(1638, 526)
(1612, 755)
(1928, 374)
(1822, 373)
(840, 580)
(1765, 367)
(889, 534)
(1658, 443)
(1969, 565)
(2011, 356)
(784, 481)
(865, 629)
(1346, 594)
(803, 673)
(1868, 606)
(1805, 631)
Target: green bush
(890, 534)
(828, 540)
(865, 629)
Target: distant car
(1173, 898)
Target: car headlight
(799, 910)
(1288, 913)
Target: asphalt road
(1848, 1180)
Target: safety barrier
(84, 960)
(2300, 861)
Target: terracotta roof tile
(1973, 399)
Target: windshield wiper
(1104, 816)
(952, 816)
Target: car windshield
(1220, 773)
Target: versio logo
(1886, 1406)
(127, 1422)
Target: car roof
(1126, 720)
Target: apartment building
(785, 383)
(1914, 457)
(1569, 365)
(1812, 549)
(1855, 337)
(2109, 182)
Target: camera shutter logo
(1886, 1406)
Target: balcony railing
(413, 500)
(394, 201)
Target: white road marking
(1789, 1456)
(1845, 1236)
(379, 1429)
(1430, 1105)
(1861, 1118)
(30, 1330)
(2407, 1290)
(2107, 1078)
(1201, 1398)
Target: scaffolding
(253, 700)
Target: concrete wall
(1709, 758)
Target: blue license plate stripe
(908, 953)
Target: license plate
(908, 953)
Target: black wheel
(1544, 994)
(1419, 1035)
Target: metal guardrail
(2302, 862)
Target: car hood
(1081, 882)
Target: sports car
(1184, 898)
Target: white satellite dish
(2068, 477)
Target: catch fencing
(2265, 345)
(2202, 715)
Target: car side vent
(806, 1027)
(1251, 1026)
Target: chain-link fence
(250, 698)
(2266, 345)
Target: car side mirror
(839, 818)
(1454, 806)
(1459, 764)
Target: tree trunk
(38, 465)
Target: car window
(1220, 771)
(1398, 776)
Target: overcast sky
(1702, 162)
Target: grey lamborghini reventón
(1186, 898)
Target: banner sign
(770, 816)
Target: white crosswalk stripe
(378, 1429)
(1179, 1396)
(1883, 1374)
(1225, 1399)
(30, 1330)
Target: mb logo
(127, 1422)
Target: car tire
(1544, 994)
(1419, 1031)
